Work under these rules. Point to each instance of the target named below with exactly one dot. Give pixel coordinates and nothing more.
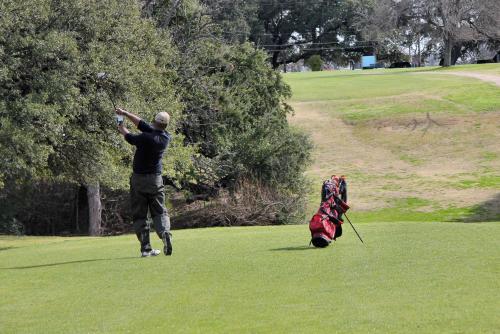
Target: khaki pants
(147, 193)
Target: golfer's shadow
(68, 262)
(293, 248)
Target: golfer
(146, 183)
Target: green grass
(411, 214)
(407, 278)
(367, 95)
(482, 181)
(417, 273)
(335, 86)
(490, 156)
(390, 93)
(493, 69)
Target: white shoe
(153, 252)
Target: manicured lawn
(493, 69)
(407, 278)
(363, 87)
(421, 154)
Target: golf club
(103, 76)
(353, 228)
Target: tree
(64, 65)
(234, 18)
(288, 30)
(234, 112)
(56, 119)
(452, 25)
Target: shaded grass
(409, 277)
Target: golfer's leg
(157, 208)
(139, 204)
(160, 216)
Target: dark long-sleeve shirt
(150, 145)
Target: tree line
(64, 64)
(341, 30)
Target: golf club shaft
(111, 99)
(353, 228)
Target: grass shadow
(67, 262)
(293, 248)
(6, 248)
(488, 211)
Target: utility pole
(284, 62)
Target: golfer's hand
(122, 129)
(120, 111)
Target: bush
(315, 62)
(251, 203)
(60, 208)
(10, 225)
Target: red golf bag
(322, 230)
(325, 225)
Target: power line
(360, 48)
(314, 43)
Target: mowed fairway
(422, 155)
(408, 278)
(415, 145)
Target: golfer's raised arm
(133, 118)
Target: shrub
(315, 62)
(251, 203)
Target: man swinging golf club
(146, 183)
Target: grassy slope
(373, 126)
(492, 69)
(408, 278)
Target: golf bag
(322, 230)
(324, 225)
(327, 190)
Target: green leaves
(227, 105)
(56, 118)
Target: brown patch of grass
(404, 156)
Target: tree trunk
(94, 198)
(77, 208)
(448, 46)
(419, 52)
(275, 61)
(456, 53)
